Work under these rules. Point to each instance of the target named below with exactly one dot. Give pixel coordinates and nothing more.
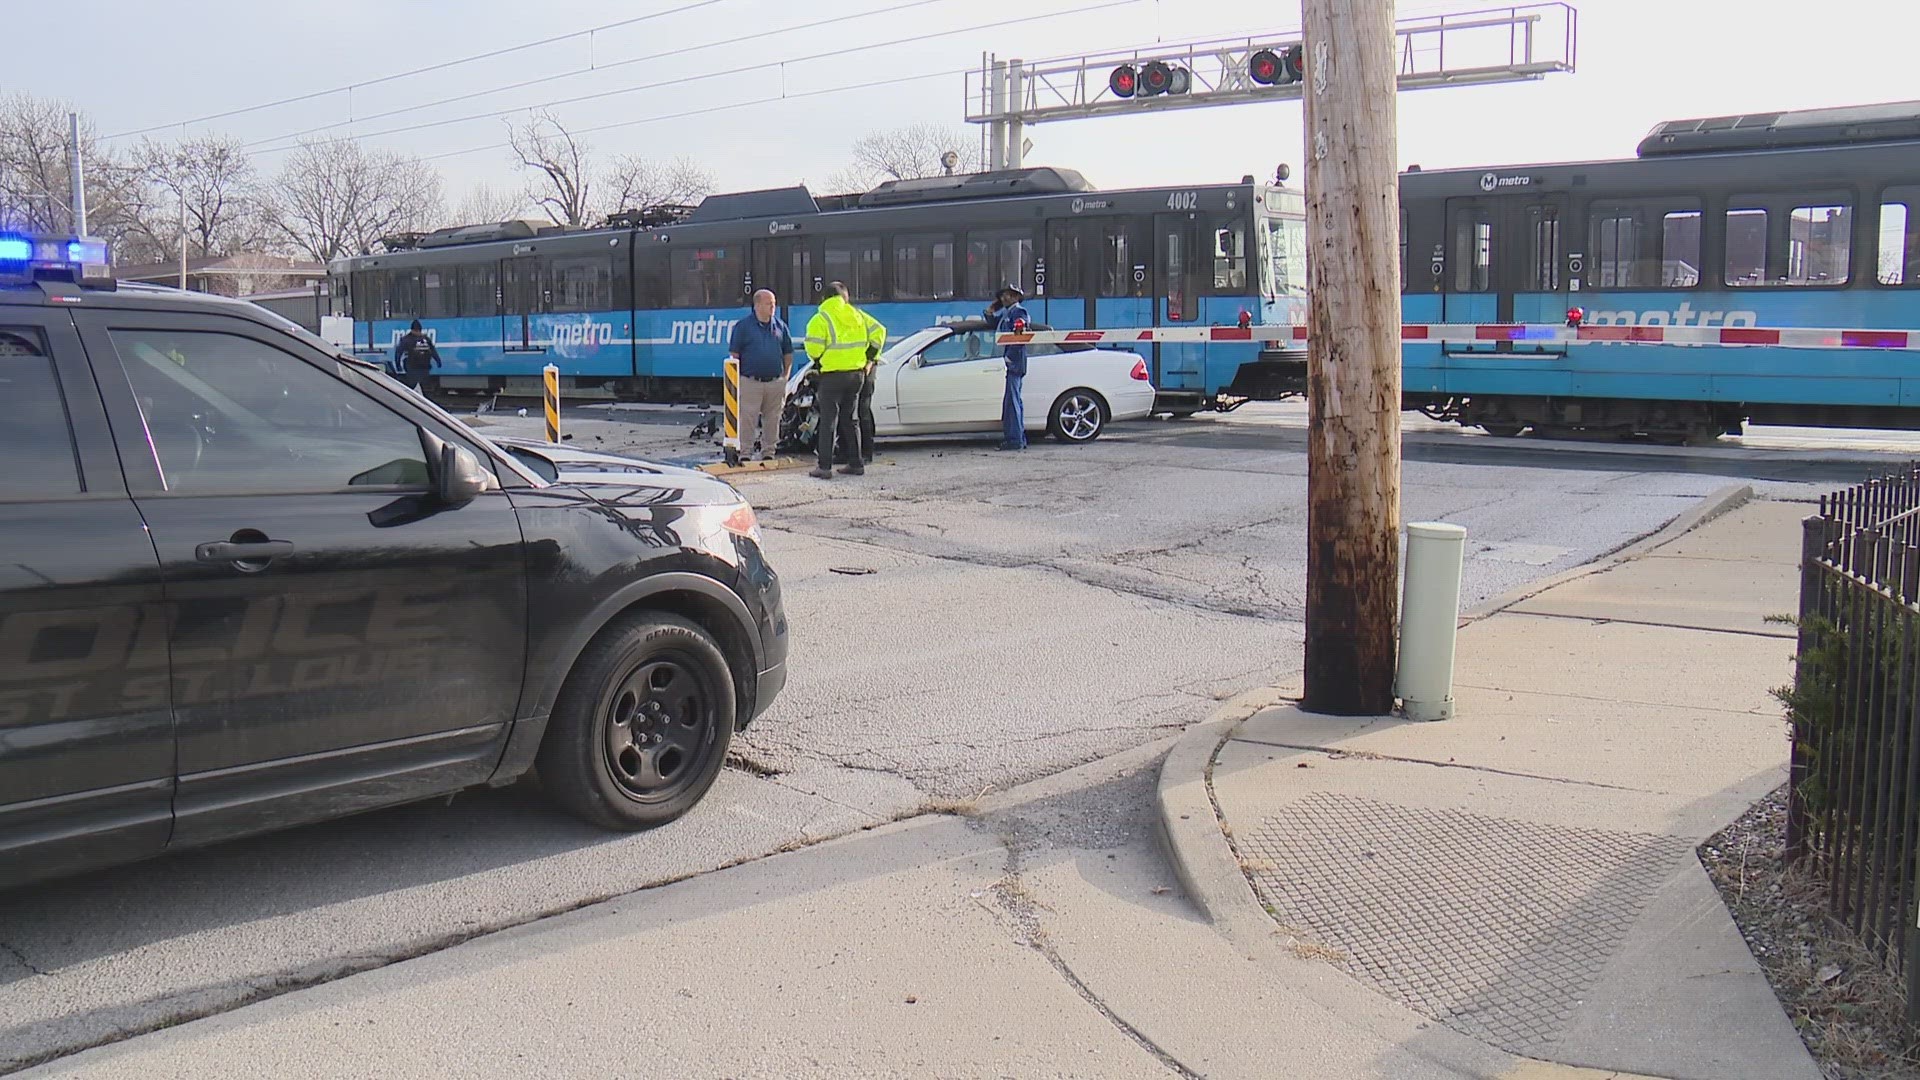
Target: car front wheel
(642, 725)
(1078, 417)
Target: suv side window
(36, 441)
(228, 415)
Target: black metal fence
(1854, 805)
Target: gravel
(1848, 1008)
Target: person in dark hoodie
(414, 356)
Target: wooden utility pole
(1353, 362)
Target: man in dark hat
(414, 356)
(1010, 317)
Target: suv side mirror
(458, 476)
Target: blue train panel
(596, 344)
(1715, 373)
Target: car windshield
(912, 343)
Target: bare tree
(637, 183)
(560, 178)
(485, 205)
(333, 199)
(211, 184)
(907, 153)
(36, 187)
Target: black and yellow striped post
(731, 443)
(551, 375)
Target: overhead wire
(396, 76)
(758, 66)
(774, 99)
(455, 99)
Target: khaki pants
(760, 405)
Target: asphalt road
(964, 620)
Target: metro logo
(581, 337)
(709, 331)
(1684, 315)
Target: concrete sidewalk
(1510, 895)
(1524, 873)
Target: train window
(856, 262)
(1643, 246)
(1286, 267)
(1230, 258)
(524, 284)
(583, 283)
(479, 290)
(1065, 260)
(363, 298)
(403, 294)
(708, 277)
(1403, 250)
(650, 273)
(1474, 241)
(1819, 245)
(1680, 252)
(440, 294)
(923, 267)
(1746, 246)
(1899, 249)
(998, 258)
(799, 271)
(1118, 260)
(1543, 250)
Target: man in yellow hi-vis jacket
(842, 341)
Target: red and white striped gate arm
(1784, 337)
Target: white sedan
(950, 379)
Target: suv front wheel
(642, 725)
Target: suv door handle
(223, 551)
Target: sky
(136, 64)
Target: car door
(955, 384)
(86, 735)
(340, 638)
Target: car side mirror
(458, 476)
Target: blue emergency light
(81, 260)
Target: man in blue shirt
(1010, 317)
(765, 351)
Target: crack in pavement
(1022, 910)
(1014, 562)
(1368, 755)
(21, 958)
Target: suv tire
(642, 725)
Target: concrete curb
(1209, 871)
(1712, 506)
(1202, 859)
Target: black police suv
(247, 581)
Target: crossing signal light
(1283, 68)
(1160, 78)
(1124, 81)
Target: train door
(1182, 246)
(785, 265)
(1069, 276)
(1506, 260)
(1123, 276)
(522, 296)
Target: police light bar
(81, 260)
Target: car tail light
(1140, 370)
(742, 522)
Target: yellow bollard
(731, 443)
(552, 376)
